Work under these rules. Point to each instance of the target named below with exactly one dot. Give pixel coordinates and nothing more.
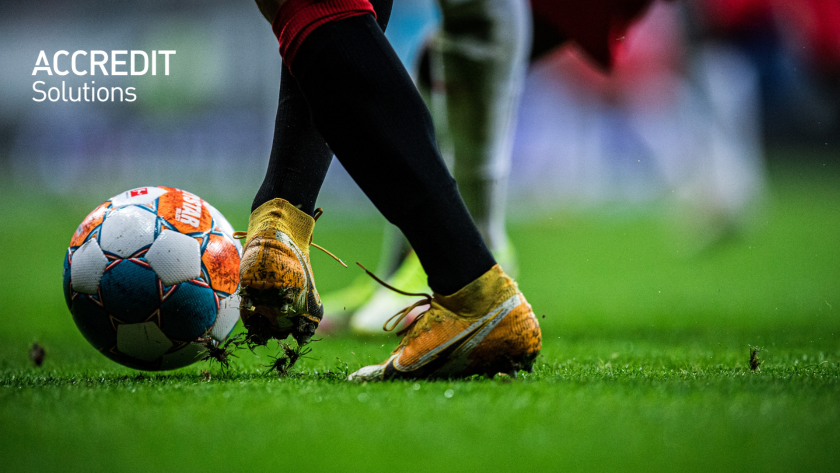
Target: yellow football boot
(487, 327)
(275, 276)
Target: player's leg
(299, 157)
(477, 61)
(278, 289)
(483, 50)
(366, 107)
(375, 121)
(370, 113)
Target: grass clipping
(224, 352)
(755, 362)
(282, 364)
(286, 358)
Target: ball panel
(221, 222)
(175, 257)
(93, 220)
(144, 341)
(188, 312)
(184, 211)
(93, 322)
(221, 260)
(127, 230)
(86, 267)
(185, 356)
(226, 319)
(138, 196)
(130, 291)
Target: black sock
(300, 157)
(368, 110)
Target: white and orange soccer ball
(151, 277)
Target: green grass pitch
(644, 365)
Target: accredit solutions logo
(91, 63)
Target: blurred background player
(794, 49)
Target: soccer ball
(151, 278)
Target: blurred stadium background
(704, 94)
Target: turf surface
(644, 365)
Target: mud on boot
(277, 287)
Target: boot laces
(318, 212)
(395, 319)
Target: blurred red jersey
(596, 25)
(809, 28)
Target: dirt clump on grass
(755, 362)
(37, 354)
(286, 358)
(224, 351)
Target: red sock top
(297, 18)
